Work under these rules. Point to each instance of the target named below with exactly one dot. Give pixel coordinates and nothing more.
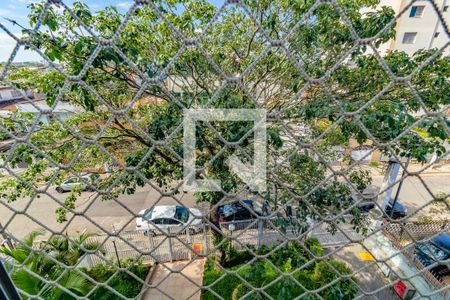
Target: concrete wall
(425, 26)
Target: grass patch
(122, 282)
(288, 259)
(224, 287)
(374, 164)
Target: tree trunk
(217, 235)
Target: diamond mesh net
(98, 200)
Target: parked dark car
(399, 210)
(439, 247)
(366, 200)
(365, 204)
(237, 211)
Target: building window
(445, 8)
(436, 34)
(416, 11)
(16, 94)
(409, 37)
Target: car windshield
(398, 205)
(92, 177)
(70, 180)
(147, 214)
(437, 252)
(228, 210)
(182, 214)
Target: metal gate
(305, 143)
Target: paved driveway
(370, 279)
(175, 284)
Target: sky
(18, 11)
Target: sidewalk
(438, 168)
(371, 280)
(433, 169)
(381, 248)
(174, 284)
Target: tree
(233, 61)
(47, 262)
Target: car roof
(80, 176)
(238, 203)
(443, 241)
(163, 211)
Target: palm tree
(45, 261)
(33, 263)
(70, 251)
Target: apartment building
(419, 26)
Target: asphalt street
(104, 216)
(92, 214)
(415, 192)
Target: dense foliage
(133, 96)
(47, 261)
(121, 281)
(292, 259)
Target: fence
(417, 232)
(150, 248)
(195, 101)
(258, 233)
(244, 235)
(410, 231)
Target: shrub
(314, 246)
(288, 259)
(122, 282)
(224, 287)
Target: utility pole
(390, 176)
(387, 186)
(399, 187)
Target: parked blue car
(439, 247)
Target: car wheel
(192, 231)
(59, 189)
(89, 189)
(149, 233)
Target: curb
(424, 174)
(148, 279)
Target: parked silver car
(173, 218)
(85, 183)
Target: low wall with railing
(413, 232)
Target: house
(8, 93)
(62, 111)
